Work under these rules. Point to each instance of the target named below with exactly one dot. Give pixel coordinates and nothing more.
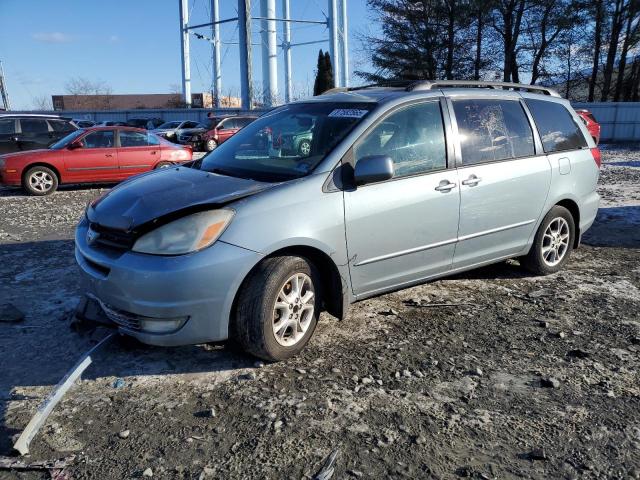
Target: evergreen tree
(320, 84)
(328, 71)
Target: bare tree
(42, 102)
(620, 8)
(630, 41)
(508, 24)
(90, 94)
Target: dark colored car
(29, 132)
(173, 129)
(592, 124)
(145, 123)
(97, 154)
(83, 123)
(111, 123)
(220, 130)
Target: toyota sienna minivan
(400, 185)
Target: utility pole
(286, 49)
(217, 74)
(3, 89)
(184, 50)
(344, 69)
(269, 52)
(244, 29)
(333, 41)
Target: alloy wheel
(555, 242)
(293, 310)
(41, 181)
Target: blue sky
(134, 46)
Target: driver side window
(413, 137)
(99, 139)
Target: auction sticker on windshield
(348, 113)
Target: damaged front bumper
(164, 300)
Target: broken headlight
(187, 234)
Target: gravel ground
(522, 376)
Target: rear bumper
(199, 287)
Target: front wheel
(304, 149)
(40, 181)
(553, 242)
(278, 308)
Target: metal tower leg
(184, 50)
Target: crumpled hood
(164, 192)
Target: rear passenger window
(492, 130)
(61, 126)
(413, 137)
(34, 126)
(133, 139)
(556, 126)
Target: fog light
(166, 325)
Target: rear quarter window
(558, 130)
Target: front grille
(111, 237)
(124, 319)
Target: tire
(40, 181)
(304, 148)
(260, 327)
(210, 145)
(551, 250)
(160, 165)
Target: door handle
(108, 155)
(445, 186)
(154, 152)
(472, 181)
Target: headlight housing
(185, 235)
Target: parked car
(171, 130)
(145, 123)
(219, 130)
(97, 154)
(401, 186)
(20, 132)
(592, 125)
(111, 123)
(83, 123)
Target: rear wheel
(40, 181)
(278, 308)
(553, 242)
(210, 145)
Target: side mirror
(374, 168)
(74, 145)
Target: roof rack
(433, 84)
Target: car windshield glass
(170, 125)
(64, 141)
(286, 143)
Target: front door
(138, 152)
(226, 129)
(404, 229)
(503, 183)
(96, 160)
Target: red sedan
(90, 155)
(592, 125)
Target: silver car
(401, 185)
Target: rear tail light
(596, 156)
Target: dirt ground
(522, 376)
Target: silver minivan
(400, 185)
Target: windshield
(64, 141)
(170, 125)
(286, 143)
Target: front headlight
(187, 234)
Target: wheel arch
(41, 164)
(334, 285)
(574, 209)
